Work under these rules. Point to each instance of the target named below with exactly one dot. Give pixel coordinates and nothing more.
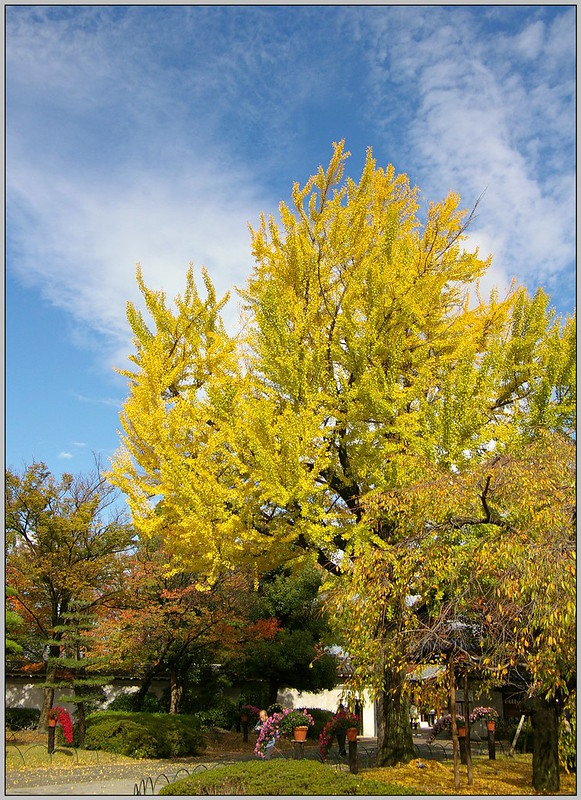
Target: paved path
(105, 779)
(119, 779)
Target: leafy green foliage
(279, 778)
(370, 364)
(142, 735)
(292, 656)
(321, 717)
(21, 719)
(65, 546)
(13, 624)
(221, 715)
(127, 702)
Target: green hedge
(223, 715)
(279, 777)
(21, 719)
(127, 702)
(320, 716)
(144, 735)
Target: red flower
(63, 718)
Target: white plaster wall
(328, 699)
(29, 695)
(20, 694)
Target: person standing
(262, 717)
(341, 733)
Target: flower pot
(52, 723)
(244, 718)
(490, 724)
(300, 733)
(351, 734)
(461, 730)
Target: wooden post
(453, 724)
(298, 750)
(517, 734)
(245, 731)
(469, 769)
(491, 745)
(51, 733)
(353, 765)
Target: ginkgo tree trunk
(367, 345)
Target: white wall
(328, 699)
(23, 693)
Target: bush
(320, 716)
(21, 719)
(279, 777)
(144, 735)
(223, 715)
(568, 735)
(128, 702)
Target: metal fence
(149, 785)
(59, 753)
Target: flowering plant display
(484, 712)
(278, 724)
(444, 722)
(338, 724)
(63, 718)
(253, 712)
(293, 718)
(269, 732)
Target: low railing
(23, 750)
(150, 785)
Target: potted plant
(446, 722)
(296, 721)
(249, 713)
(487, 713)
(343, 722)
(61, 717)
(281, 723)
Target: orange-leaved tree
(65, 546)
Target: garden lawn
(280, 777)
(30, 756)
(503, 777)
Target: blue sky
(156, 134)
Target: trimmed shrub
(280, 777)
(22, 719)
(127, 702)
(320, 717)
(223, 715)
(144, 735)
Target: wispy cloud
(490, 107)
(100, 401)
(65, 455)
(157, 134)
(85, 205)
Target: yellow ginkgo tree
(367, 350)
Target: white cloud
(81, 244)
(530, 42)
(131, 163)
(476, 121)
(65, 455)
